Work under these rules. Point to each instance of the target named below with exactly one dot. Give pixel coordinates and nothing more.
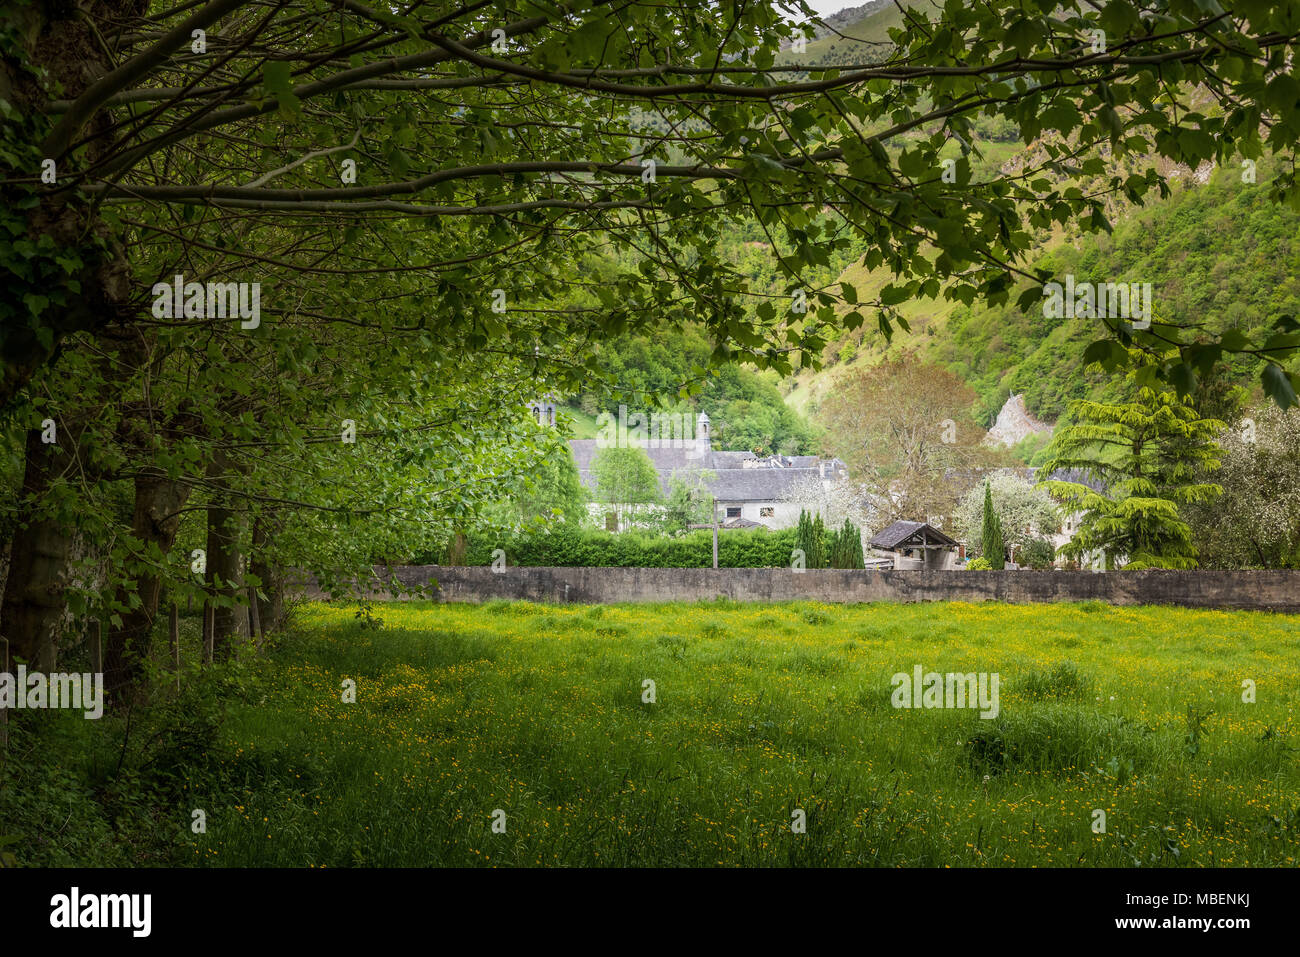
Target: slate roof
(901, 531)
(758, 485)
(731, 482)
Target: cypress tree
(854, 537)
(846, 547)
(992, 546)
(817, 557)
(803, 537)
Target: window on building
(733, 511)
(611, 521)
(767, 511)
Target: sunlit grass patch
(759, 710)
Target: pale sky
(825, 7)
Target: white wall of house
(775, 515)
(772, 514)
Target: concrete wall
(1263, 590)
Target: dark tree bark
(226, 580)
(456, 551)
(66, 41)
(40, 560)
(44, 548)
(158, 502)
(270, 608)
(225, 576)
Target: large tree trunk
(40, 560)
(44, 549)
(270, 609)
(66, 48)
(225, 577)
(158, 503)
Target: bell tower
(703, 436)
(543, 410)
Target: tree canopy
(280, 279)
(1150, 455)
(306, 137)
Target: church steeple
(543, 410)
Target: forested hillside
(854, 35)
(746, 408)
(1221, 254)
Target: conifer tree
(817, 556)
(993, 549)
(846, 547)
(1150, 454)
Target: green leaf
(1234, 340)
(892, 295)
(1282, 93)
(1183, 378)
(1278, 386)
(276, 77)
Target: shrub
(978, 565)
(1060, 741)
(1038, 553)
(565, 546)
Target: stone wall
(1262, 590)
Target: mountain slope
(1222, 255)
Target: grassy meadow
(759, 711)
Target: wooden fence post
(254, 619)
(715, 532)
(96, 647)
(174, 635)
(4, 712)
(209, 628)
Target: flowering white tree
(1026, 511)
(1255, 523)
(836, 501)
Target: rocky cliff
(1014, 422)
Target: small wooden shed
(915, 545)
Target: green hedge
(600, 549)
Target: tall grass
(759, 711)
